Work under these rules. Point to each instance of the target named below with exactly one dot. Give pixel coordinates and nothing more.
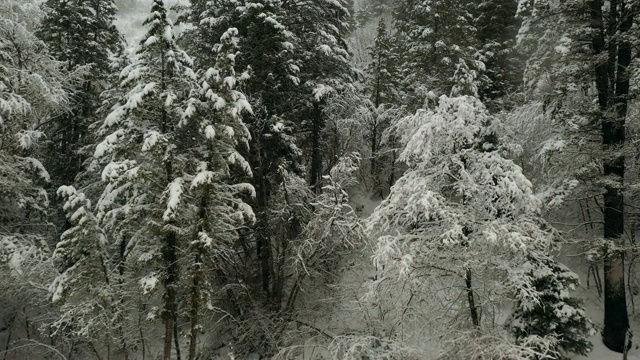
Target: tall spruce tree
(170, 159)
(143, 176)
(79, 33)
(295, 56)
(382, 88)
(431, 36)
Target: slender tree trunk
(170, 258)
(475, 317)
(197, 280)
(316, 148)
(143, 342)
(10, 331)
(195, 302)
(168, 336)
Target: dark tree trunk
(170, 260)
(176, 337)
(316, 148)
(475, 317)
(195, 304)
(261, 231)
(613, 90)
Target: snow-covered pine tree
(80, 34)
(170, 144)
(496, 29)
(296, 57)
(382, 88)
(457, 226)
(546, 318)
(267, 52)
(86, 288)
(430, 37)
(214, 111)
(373, 10)
(145, 176)
(325, 70)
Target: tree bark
(316, 148)
(195, 304)
(475, 317)
(169, 255)
(613, 90)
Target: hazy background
(131, 14)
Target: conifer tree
(382, 88)
(547, 318)
(144, 174)
(295, 57)
(372, 10)
(432, 35)
(215, 110)
(496, 26)
(170, 152)
(79, 33)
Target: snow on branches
(463, 223)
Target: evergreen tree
(371, 10)
(85, 288)
(496, 29)
(546, 318)
(144, 174)
(79, 33)
(170, 152)
(295, 57)
(382, 87)
(215, 110)
(432, 35)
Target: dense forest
(319, 179)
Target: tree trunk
(475, 317)
(261, 230)
(170, 260)
(176, 338)
(195, 302)
(316, 148)
(612, 101)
